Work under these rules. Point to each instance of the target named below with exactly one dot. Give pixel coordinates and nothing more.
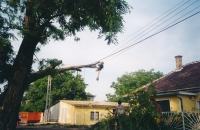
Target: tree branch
(48, 71)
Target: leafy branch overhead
(57, 19)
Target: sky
(157, 52)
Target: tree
(38, 21)
(128, 82)
(141, 115)
(65, 86)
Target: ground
(46, 128)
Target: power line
(151, 35)
(151, 23)
(180, 17)
(165, 21)
(157, 31)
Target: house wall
(66, 113)
(173, 101)
(82, 115)
(54, 113)
(79, 115)
(197, 101)
(189, 102)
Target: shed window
(165, 105)
(94, 115)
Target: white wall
(54, 113)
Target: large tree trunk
(16, 85)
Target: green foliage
(142, 114)
(65, 86)
(6, 59)
(52, 63)
(128, 82)
(55, 19)
(105, 124)
(70, 17)
(37, 22)
(6, 52)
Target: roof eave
(185, 89)
(176, 92)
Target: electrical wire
(151, 23)
(164, 21)
(150, 36)
(107, 60)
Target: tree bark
(16, 85)
(40, 74)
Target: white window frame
(95, 115)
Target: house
(90, 97)
(81, 112)
(179, 90)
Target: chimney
(178, 62)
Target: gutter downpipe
(181, 110)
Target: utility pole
(47, 106)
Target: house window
(165, 105)
(198, 105)
(94, 115)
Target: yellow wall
(83, 115)
(173, 101)
(189, 102)
(68, 115)
(197, 99)
(80, 115)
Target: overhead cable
(170, 12)
(150, 36)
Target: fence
(182, 120)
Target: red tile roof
(186, 78)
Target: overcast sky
(155, 53)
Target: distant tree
(65, 86)
(128, 82)
(37, 22)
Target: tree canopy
(65, 86)
(128, 82)
(37, 22)
(45, 20)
